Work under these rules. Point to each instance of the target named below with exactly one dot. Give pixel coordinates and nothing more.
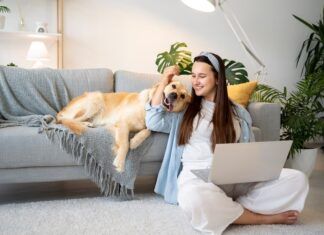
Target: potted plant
(235, 71)
(3, 9)
(300, 119)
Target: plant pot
(303, 161)
(2, 21)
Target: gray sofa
(27, 156)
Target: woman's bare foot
(287, 217)
(249, 217)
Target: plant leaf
(235, 72)
(175, 56)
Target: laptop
(246, 162)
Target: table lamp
(37, 52)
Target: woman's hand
(169, 73)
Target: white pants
(211, 210)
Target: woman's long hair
(223, 131)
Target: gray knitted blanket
(33, 97)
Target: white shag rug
(147, 214)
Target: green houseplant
(178, 55)
(301, 110)
(3, 9)
(313, 46)
(300, 120)
(12, 64)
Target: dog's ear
(153, 90)
(188, 99)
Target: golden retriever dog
(120, 113)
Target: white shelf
(24, 34)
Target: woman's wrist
(165, 81)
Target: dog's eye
(182, 96)
(174, 86)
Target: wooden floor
(85, 188)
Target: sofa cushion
(80, 80)
(24, 147)
(257, 133)
(240, 93)
(126, 81)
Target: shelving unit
(24, 34)
(50, 37)
(60, 31)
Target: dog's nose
(173, 96)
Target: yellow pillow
(241, 93)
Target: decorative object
(240, 93)
(3, 9)
(241, 36)
(300, 119)
(37, 52)
(313, 47)
(41, 27)
(235, 71)
(12, 64)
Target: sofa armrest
(266, 116)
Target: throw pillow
(241, 93)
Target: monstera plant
(235, 72)
(175, 56)
(178, 55)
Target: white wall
(128, 34)
(14, 49)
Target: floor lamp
(241, 36)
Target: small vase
(303, 161)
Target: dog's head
(175, 96)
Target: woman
(212, 118)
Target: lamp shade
(37, 51)
(201, 5)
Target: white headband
(213, 60)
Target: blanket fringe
(107, 185)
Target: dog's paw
(119, 164)
(78, 131)
(115, 149)
(88, 124)
(133, 144)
